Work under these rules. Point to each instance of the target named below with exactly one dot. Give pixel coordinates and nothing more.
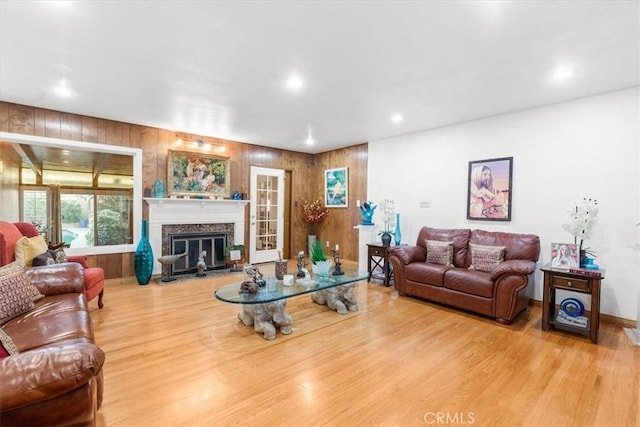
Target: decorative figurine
(254, 275)
(202, 266)
(300, 265)
(167, 261)
(336, 260)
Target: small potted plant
(321, 265)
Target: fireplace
(223, 220)
(194, 239)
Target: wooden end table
(378, 257)
(583, 282)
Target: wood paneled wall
(307, 171)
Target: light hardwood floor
(176, 356)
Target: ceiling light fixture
(397, 118)
(294, 82)
(562, 74)
(62, 90)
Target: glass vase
(143, 259)
(397, 236)
(158, 188)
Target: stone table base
(341, 298)
(265, 318)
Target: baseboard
(612, 320)
(633, 335)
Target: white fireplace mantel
(167, 211)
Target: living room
(564, 150)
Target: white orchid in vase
(388, 217)
(584, 214)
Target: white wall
(562, 153)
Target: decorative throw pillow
(485, 258)
(7, 346)
(43, 259)
(16, 293)
(27, 248)
(439, 252)
(58, 255)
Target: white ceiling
(220, 68)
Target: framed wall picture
(336, 188)
(489, 189)
(565, 255)
(197, 174)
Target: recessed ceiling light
(294, 82)
(62, 90)
(397, 118)
(562, 74)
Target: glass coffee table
(266, 309)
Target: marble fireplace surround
(205, 214)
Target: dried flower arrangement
(313, 213)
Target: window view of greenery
(90, 216)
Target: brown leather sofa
(56, 376)
(501, 293)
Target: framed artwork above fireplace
(197, 174)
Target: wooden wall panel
(307, 171)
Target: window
(95, 190)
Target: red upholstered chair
(11, 233)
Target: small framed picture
(565, 255)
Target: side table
(378, 257)
(584, 282)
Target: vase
(386, 239)
(321, 268)
(158, 188)
(143, 259)
(397, 236)
(311, 239)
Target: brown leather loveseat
(53, 375)
(494, 280)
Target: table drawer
(570, 283)
(376, 252)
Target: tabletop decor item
(388, 215)
(336, 259)
(367, 210)
(397, 234)
(583, 217)
(321, 265)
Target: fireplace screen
(193, 244)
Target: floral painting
(197, 174)
(336, 188)
(489, 192)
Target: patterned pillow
(485, 258)
(27, 248)
(7, 346)
(439, 252)
(58, 255)
(43, 259)
(16, 293)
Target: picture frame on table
(197, 174)
(336, 188)
(565, 255)
(489, 190)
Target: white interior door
(266, 232)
